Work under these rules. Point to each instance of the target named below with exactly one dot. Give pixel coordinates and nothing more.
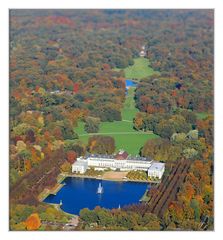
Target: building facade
(156, 170)
(121, 161)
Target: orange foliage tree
(33, 222)
(71, 156)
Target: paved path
(113, 133)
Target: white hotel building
(121, 161)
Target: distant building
(156, 170)
(142, 53)
(120, 161)
(62, 92)
(80, 166)
(55, 92)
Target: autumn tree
(71, 156)
(101, 144)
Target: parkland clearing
(126, 137)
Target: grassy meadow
(129, 142)
(139, 70)
(129, 110)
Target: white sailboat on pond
(100, 189)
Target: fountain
(100, 189)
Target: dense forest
(63, 69)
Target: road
(114, 133)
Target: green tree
(165, 129)
(192, 134)
(13, 176)
(105, 218)
(190, 153)
(151, 221)
(21, 129)
(178, 137)
(195, 205)
(88, 216)
(92, 125)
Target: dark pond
(81, 193)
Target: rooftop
(121, 155)
(100, 156)
(139, 158)
(77, 163)
(156, 166)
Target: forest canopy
(68, 66)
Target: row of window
(119, 165)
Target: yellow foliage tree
(20, 146)
(66, 167)
(41, 121)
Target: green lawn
(129, 109)
(139, 70)
(129, 142)
(108, 127)
(122, 131)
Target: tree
(71, 156)
(179, 123)
(78, 148)
(138, 121)
(104, 217)
(57, 132)
(108, 113)
(161, 150)
(175, 212)
(88, 216)
(178, 137)
(190, 153)
(92, 125)
(187, 192)
(171, 226)
(165, 129)
(24, 155)
(101, 144)
(189, 116)
(13, 176)
(67, 130)
(195, 205)
(30, 136)
(33, 222)
(205, 128)
(151, 221)
(75, 87)
(18, 227)
(21, 129)
(20, 146)
(66, 167)
(193, 134)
